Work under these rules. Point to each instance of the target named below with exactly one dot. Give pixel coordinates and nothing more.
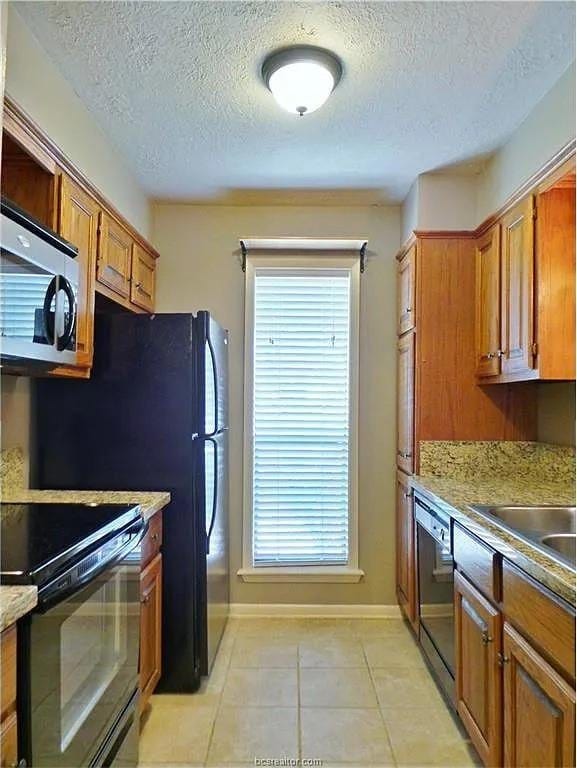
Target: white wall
(199, 269)
(547, 129)
(39, 88)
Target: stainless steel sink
(564, 543)
(550, 528)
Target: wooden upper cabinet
(406, 291)
(78, 223)
(405, 548)
(114, 265)
(142, 285)
(477, 671)
(487, 303)
(517, 281)
(406, 402)
(539, 708)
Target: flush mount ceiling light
(301, 78)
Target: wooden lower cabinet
(8, 717)
(406, 591)
(150, 628)
(539, 708)
(477, 671)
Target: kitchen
(383, 594)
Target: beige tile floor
(339, 691)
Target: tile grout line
(389, 742)
(220, 693)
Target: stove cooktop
(38, 540)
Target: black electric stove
(41, 540)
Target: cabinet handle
(485, 639)
(502, 659)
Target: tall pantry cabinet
(438, 397)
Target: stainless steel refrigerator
(154, 416)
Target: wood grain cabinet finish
(406, 291)
(539, 708)
(150, 628)
(78, 223)
(114, 266)
(477, 671)
(406, 587)
(8, 716)
(517, 282)
(405, 402)
(487, 303)
(143, 277)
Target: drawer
(9, 742)
(541, 616)
(8, 661)
(153, 540)
(478, 561)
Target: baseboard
(290, 610)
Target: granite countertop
(150, 501)
(16, 602)
(454, 495)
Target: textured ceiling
(176, 86)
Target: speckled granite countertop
(507, 480)
(15, 490)
(15, 602)
(150, 501)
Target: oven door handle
(51, 595)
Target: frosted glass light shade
(301, 79)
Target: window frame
(324, 263)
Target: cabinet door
(406, 291)
(539, 708)
(517, 281)
(142, 283)
(9, 742)
(487, 303)
(114, 256)
(405, 545)
(78, 223)
(477, 672)
(150, 628)
(406, 402)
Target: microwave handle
(63, 341)
(46, 313)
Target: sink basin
(564, 543)
(550, 528)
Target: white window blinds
(301, 417)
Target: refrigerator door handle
(215, 385)
(214, 495)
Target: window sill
(318, 574)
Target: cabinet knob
(485, 639)
(502, 659)
(409, 309)
(138, 285)
(154, 537)
(488, 356)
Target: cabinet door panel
(539, 708)
(487, 303)
(517, 276)
(406, 291)
(406, 402)
(477, 678)
(150, 628)
(114, 257)
(78, 223)
(405, 548)
(142, 284)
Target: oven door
(81, 657)
(38, 300)
(436, 607)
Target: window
(301, 413)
